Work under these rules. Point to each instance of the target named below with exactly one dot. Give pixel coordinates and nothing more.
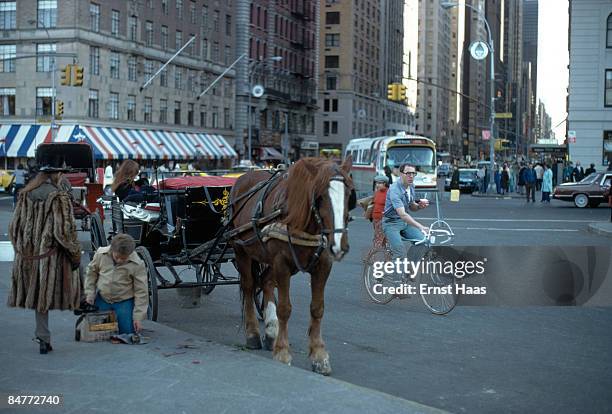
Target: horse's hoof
(268, 343)
(253, 342)
(283, 356)
(322, 367)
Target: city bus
(371, 155)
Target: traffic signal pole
(53, 99)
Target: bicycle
(437, 289)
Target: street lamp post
(252, 69)
(449, 5)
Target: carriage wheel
(143, 253)
(98, 236)
(210, 274)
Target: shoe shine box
(96, 326)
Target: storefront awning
(270, 153)
(20, 140)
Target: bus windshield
(421, 157)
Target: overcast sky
(553, 58)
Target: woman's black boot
(44, 347)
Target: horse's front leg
(281, 345)
(319, 357)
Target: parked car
(444, 170)
(468, 180)
(588, 192)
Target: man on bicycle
(396, 221)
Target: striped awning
(20, 140)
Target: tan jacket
(118, 283)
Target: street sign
(571, 137)
(503, 115)
(486, 134)
(479, 50)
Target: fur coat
(44, 237)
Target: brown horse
(311, 199)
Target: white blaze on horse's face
(336, 195)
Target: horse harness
(257, 220)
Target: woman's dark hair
(125, 174)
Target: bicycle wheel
(375, 287)
(438, 290)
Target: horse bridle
(314, 208)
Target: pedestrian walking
(539, 171)
(521, 178)
(378, 206)
(590, 170)
(18, 181)
(547, 184)
(497, 179)
(567, 172)
(45, 272)
(505, 180)
(578, 172)
(529, 177)
(454, 184)
(482, 172)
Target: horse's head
(321, 190)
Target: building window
(179, 40)
(215, 52)
(132, 69)
(179, 9)
(131, 108)
(113, 106)
(149, 33)
(608, 92)
(115, 22)
(332, 18)
(163, 111)
(216, 21)
(133, 28)
(178, 78)
(148, 110)
(332, 62)
(94, 105)
(332, 40)
(8, 53)
(44, 100)
(44, 62)
(228, 55)
(205, 49)
(94, 17)
(190, 114)
(227, 123)
(94, 60)
(7, 101)
(8, 15)
(164, 37)
(163, 77)
(204, 16)
(228, 25)
(190, 48)
(331, 83)
(114, 65)
(164, 4)
(192, 12)
(47, 13)
(215, 117)
(148, 69)
(609, 32)
(177, 112)
(203, 116)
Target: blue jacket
(529, 176)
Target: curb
(598, 228)
(499, 196)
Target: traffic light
(392, 92)
(402, 92)
(78, 75)
(65, 75)
(59, 109)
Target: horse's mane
(307, 178)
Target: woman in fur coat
(47, 253)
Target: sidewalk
(175, 372)
(493, 194)
(602, 228)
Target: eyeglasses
(410, 173)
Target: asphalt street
(477, 358)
